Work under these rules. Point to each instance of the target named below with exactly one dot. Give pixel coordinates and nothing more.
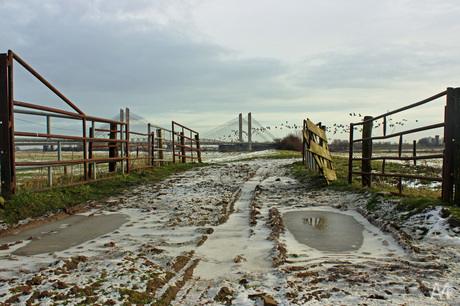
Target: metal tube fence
(74, 148)
(184, 146)
(450, 156)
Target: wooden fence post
(198, 146)
(367, 151)
(304, 143)
(456, 145)
(350, 154)
(448, 163)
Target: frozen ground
(215, 236)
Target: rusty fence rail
(49, 154)
(450, 156)
(151, 148)
(186, 143)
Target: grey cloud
(376, 67)
(140, 63)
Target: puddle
(65, 233)
(325, 231)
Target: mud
(215, 235)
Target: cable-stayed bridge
(241, 133)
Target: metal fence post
(92, 166)
(6, 139)
(182, 142)
(149, 145)
(113, 150)
(49, 148)
(127, 138)
(160, 146)
(367, 150)
(85, 150)
(122, 137)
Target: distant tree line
(290, 142)
(430, 142)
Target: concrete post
(240, 130)
(249, 132)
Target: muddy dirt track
(216, 236)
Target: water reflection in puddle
(66, 233)
(325, 230)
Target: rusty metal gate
(184, 140)
(97, 149)
(450, 156)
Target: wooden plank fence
(315, 151)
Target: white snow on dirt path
(182, 238)
(233, 239)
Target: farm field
(426, 167)
(219, 235)
(33, 177)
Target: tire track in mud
(297, 278)
(229, 253)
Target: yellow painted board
(319, 150)
(316, 130)
(329, 174)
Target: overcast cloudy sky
(202, 63)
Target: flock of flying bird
(334, 129)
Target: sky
(201, 63)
